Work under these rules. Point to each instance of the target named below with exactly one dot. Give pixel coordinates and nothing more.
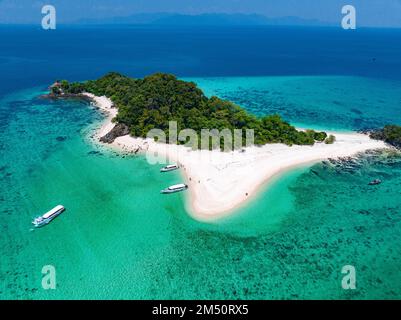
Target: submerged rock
(119, 130)
(94, 153)
(61, 138)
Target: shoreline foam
(220, 182)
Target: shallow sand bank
(222, 181)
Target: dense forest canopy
(151, 102)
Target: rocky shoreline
(119, 130)
(54, 96)
(393, 140)
(391, 134)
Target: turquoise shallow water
(322, 102)
(119, 238)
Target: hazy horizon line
(281, 21)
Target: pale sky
(370, 13)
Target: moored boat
(48, 217)
(175, 188)
(168, 168)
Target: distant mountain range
(211, 19)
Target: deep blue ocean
(290, 242)
(30, 56)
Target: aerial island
(219, 179)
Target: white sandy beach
(106, 106)
(221, 181)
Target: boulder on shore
(390, 134)
(119, 130)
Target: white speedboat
(48, 217)
(175, 188)
(168, 168)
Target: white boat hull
(41, 222)
(168, 191)
(165, 169)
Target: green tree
(155, 100)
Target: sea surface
(121, 239)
